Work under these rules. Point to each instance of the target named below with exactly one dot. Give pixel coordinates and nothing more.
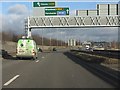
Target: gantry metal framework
(71, 22)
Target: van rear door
(21, 46)
(29, 46)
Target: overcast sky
(12, 16)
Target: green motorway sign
(56, 11)
(43, 4)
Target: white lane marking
(11, 80)
(37, 61)
(43, 57)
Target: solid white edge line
(11, 80)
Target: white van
(26, 48)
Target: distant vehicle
(40, 50)
(54, 49)
(98, 48)
(87, 47)
(3, 53)
(26, 48)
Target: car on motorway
(3, 53)
(26, 48)
(54, 49)
(40, 50)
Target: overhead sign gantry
(74, 21)
(54, 17)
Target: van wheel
(34, 58)
(18, 58)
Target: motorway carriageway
(50, 70)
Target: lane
(11, 80)
(56, 70)
(11, 67)
(10, 62)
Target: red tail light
(33, 52)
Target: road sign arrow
(38, 4)
(67, 11)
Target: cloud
(0, 22)
(13, 23)
(82, 34)
(14, 19)
(73, 12)
(18, 9)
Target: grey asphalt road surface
(50, 70)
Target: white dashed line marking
(43, 57)
(11, 80)
(37, 61)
